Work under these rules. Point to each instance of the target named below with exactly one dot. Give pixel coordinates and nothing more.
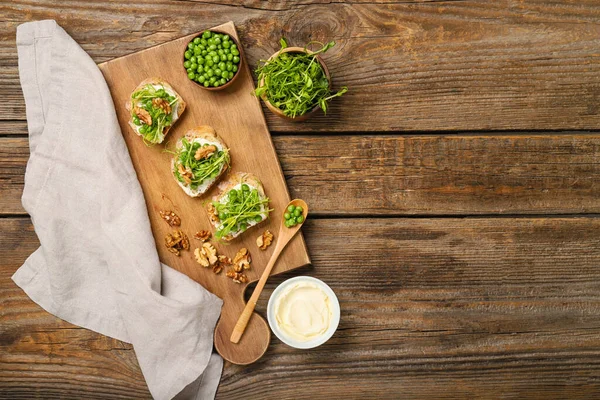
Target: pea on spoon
(287, 231)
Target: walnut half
(242, 260)
(264, 240)
(205, 152)
(176, 241)
(170, 218)
(143, 115)
(237, 277)
(206, 255)
(202, 235)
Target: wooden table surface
(454, 188)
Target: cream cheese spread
(303, 311)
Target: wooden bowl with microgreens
(213, 59)
(295, 82)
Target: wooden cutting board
(236, 115)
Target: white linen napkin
(97, 266)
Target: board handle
(242, 322)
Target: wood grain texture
(410, 66)
(418, 175)
(443, 308)
(237, 118)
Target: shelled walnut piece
(206, 255)
(223, 261)
(242, 260)
(237, 277)
(176, 241)
(264, 240)
(205, 152)
(170, 218)
(202, 235)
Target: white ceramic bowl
(335, 313)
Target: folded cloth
(97, 266)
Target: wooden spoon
(285, 235)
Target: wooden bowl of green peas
(213, 59)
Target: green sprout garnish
(154, 133)
(206, 168)
(295, 82)
(239, 209)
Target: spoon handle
(242, 322)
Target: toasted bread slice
(205, 135)
(235, 181)
(177, 108)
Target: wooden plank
(409, 66)
(444, 308)
(419, 175)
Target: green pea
(200, 68)
(144, 128)
(191, 45)
(230, 75)
(300, 219)
(245, 188)
(297, 213)
(223, 81)
(212, 79)
(187, 54)
(211, 41)
(197, 50)
(216, 83)
(229, 57)
(186, 64)
(235, 52)
(194, 65)
(291, 208)
(217, 40)
(191, 75)
(220, 51)
(212, 53)
(235, 68)
(287, 224)
(222, 65)
(236, 59)
(203, 42)
(212, 47)
(210, 73)
(299, 208)
(201, 78)
(226, 44)
(223, 57)
(204, 52)
(193, 59)
(210, 62)
(188, 70)
(206, 34)
(226, 38)
(224, 74)
(243, 226)
(136, 120)
(222, 216)
(200, 60)
(216, 59)
(286, 215)
(206, 84)
(217, 71)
